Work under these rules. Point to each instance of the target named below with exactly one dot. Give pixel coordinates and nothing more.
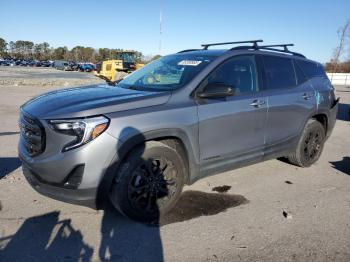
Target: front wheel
(310, 145)
(149, 182)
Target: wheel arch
(323, 119)
(158, 135)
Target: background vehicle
(178, 119)
(35, 63)
(84, 67)
(5, 63)
(116, 69)
(46, 63)
(63, 65)
(24, 63)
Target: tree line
(339, 67)
(22, 49)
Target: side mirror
(216, 90)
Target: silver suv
(178, 119)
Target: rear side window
(311, 69)
(279, 72)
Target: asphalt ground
(17, 72)
(47, 77)
(271, 211)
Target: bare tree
(344, 34)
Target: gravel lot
(271, 211)
(44, 77)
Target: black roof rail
(285, 46)
(255, 46)
(188, 50)
(282, 51)
(270, 48)
(254, 42)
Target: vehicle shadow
(343, 112)
(125, 240)
(8, 165)
(45, 238)
(342, 165)
(121, 237)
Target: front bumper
(73, 176)
(85, 197)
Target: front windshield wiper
(138, 88)
(142, 88)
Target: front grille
(32, 134)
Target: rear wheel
(310, 145)
(149, 182)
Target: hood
(91, 100)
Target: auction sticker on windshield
(189, 62)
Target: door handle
(257, 103)
(306, 96)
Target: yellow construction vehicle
(139, 65)
(116, 69)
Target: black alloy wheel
(152, 185)
(149, 182)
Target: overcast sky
(311, 25)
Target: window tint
(167, 73)
(238, 72)
(301, 78)
(279, 72)
(311, 69)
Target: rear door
(234, 125)
(290, 99)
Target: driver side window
(238, 72)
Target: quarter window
(311, 69)
(279, 72)
(238, 72)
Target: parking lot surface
(44, 77)
(271, 211)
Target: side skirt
(223, 164)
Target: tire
(310, 145)
(149, 182)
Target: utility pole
(160, 27)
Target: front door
(232, 126)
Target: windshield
(167, 73)
(126, 57)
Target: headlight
(84, 130)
